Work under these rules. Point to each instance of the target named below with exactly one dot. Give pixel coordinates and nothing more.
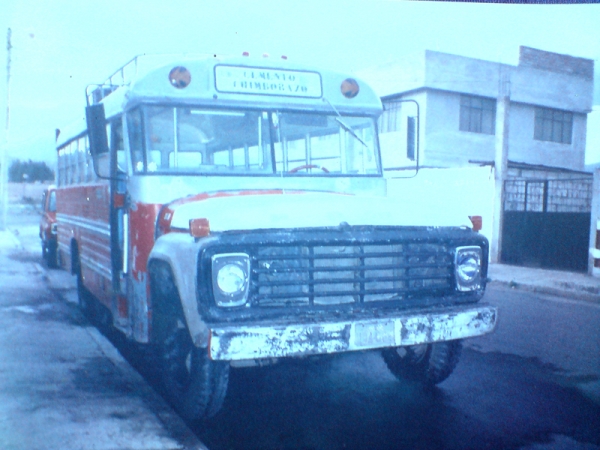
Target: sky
(61, 46)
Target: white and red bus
(233, 211)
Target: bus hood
(228, 211)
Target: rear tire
(426, 363)
(194, 385)
(84, 297)
(51, 255)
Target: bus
(230, 212)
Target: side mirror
(96, 125)
(399, 138)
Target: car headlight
(230, 279)
(467, 268)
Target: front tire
(429, 364)
(194, 385)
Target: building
(526, 121)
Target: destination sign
(263, 81)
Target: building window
(477, 114)
(388, 121)
(553, 125)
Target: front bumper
(248, 342)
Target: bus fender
(180, 252)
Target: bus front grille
(284, 276)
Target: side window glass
(115, 129)
(136, 139)
(52, 202)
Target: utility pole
(3, 161)
(500, 162)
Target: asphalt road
(532, 384)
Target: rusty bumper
(244, 342)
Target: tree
(29, 171)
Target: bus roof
(261, 83)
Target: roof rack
(125, 74)
(94, 93)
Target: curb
(558, 292)
(161, 410)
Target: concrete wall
(541, 79)
(455, 73)
(25, 192)
(524, 148)
(444, 144)
(553, 80)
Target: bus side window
(116, 142)
(136, 139)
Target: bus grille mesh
(330, 274)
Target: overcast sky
(61, 46)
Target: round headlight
(468, 268)
(231, 279)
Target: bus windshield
(182, 140)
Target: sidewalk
(555, 282)
(63, 385)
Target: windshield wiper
(344, 125)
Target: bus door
(118, 222)
(106, 139)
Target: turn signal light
(199, 228)
(477, 222)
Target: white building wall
(542, 78)
(456, 73)
(524, 148)
(394, 143)
(445, 145)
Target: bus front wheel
(429, 364)
(194, 385)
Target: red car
(48, 227)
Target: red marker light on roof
(180, 77)
(349, 88)
(246, 54)
(283, 57)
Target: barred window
(553, 125)
(477, 114)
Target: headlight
(467, 268)
(230, 278)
